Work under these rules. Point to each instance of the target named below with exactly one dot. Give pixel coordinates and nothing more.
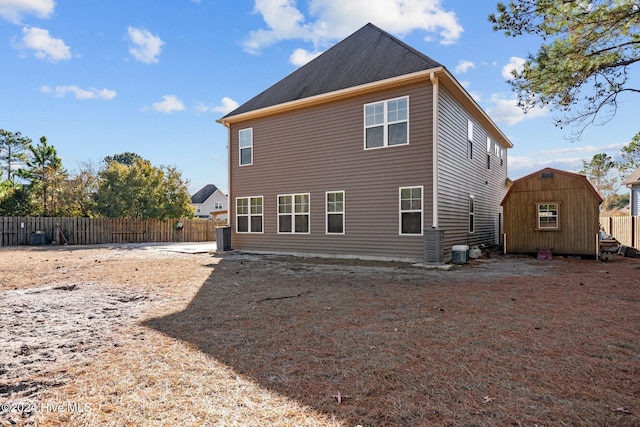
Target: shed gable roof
(552, 170)
(368, 55)
(203, 194)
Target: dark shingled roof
(203, 194)
(366, 56)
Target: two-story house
(210, 201)
(366, 151)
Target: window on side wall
(469, 140)
(386, 123)
(472, 214)
(488, 153)
(411, 210)
(217, 206)
(249, 214)
(548, 216)
(246, 146)
(293, 213)
(335, 212)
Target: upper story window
(547, 216)
(386, 123)
(249, 214)
(469, 139)
(245, 137)
(217, 206)
(335, 212)
(293, 213)
(488, 153)
(411, 210)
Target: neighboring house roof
(203, 194)
(634, 178)
(548, 170)
(368, 55)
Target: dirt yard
(126, 335)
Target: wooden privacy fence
(92, 231)
(626, 229)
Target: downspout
(229, 199)
(434, 184)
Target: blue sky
(102, 77)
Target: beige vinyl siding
(460, 177)
(321, 148)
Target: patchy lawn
(142, 336)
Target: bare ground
(142, 336)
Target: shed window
(386, 123)
(246, 146)
(293, 213)
(547, 216)
(249, 214)
(411, 210)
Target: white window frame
(251, 212)
(411, 209)
(386, 122)
(545, 208)
(472, 214)
(488, 153)
(218, 206)
(469, 139)
(293, 214)
(332, 209)
(247, 146)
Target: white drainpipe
(434, 186)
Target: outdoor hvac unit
(460, 254)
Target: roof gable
(368, 55)
(552, 170)
(634, 178)
(203, 194)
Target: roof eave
(422, 75)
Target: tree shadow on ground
(393, 345)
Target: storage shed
(552, 210)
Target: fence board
(625, 229)
(90, 231)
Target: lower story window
(411, 211)
(472, 214)
(548, 216)
(249, 214)
(293, 213)
(335, 212)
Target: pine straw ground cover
(135, 336)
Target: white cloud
(44, 46)
(79, 93)
(567, 158)
(464, 66)
(169, 104)
(227, 105)
(330, 20)
(299, 57)
(13, 10)
(507, 111)
(145, 47)
(515, 64)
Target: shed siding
(459, 177)
(578, 215)
(321, 148)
